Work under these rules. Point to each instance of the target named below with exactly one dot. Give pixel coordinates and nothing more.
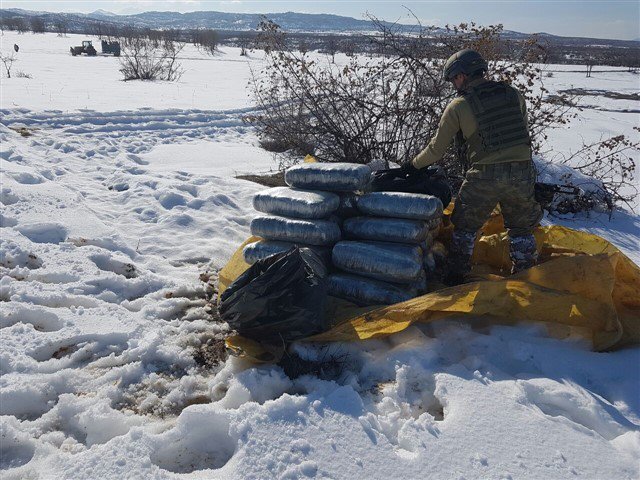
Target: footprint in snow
(44, 232)
(7, 221)
(15, 449)
(108, 264)
(27, 178)
(7, 198)
(41, 319)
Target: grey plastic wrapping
(265, 248)
(365, 291)
(311, 232)
(399, 230)
(291, 202)
(400, 205)
(391, 262)
(333, 177)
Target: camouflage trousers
(512, 186)
(509, 184)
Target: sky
(617, 19)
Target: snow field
(108, 217)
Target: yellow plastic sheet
(583, 282)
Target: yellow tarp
(583, 283)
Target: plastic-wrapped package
(399, 230)
(291, 202)
(365, 291)
(311, 232)
(391, 262)
(400, 205)
(265, 248)
(333, 177)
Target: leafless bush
(7, 60)
(16, 23)
(270, 38)
(206, 40)
(38, 25)
(21, 74)
(612, 162)
(144, 58)
(61, 27)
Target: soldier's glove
(408, 168)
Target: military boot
(459, 260)
(523, 253)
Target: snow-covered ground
(126, 192)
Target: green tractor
(87, 48)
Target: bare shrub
(145, 58)
(270, 38)
(7, 60)
(17, 24)
(206, 40)
(38, 25)
(21, 74)
(61, 27)
(612, 162)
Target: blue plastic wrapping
(265, 248)
(311, 232)
(333, 177)
(391, 262)
(400, 205)
(291, 202)
(365, 291)
(399, 230)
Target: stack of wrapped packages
(378, 245)
(303, 213)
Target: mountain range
(289, 21)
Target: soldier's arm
(447, 129)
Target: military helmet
(465, 61)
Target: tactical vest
(501, 124)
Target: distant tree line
(208, 40)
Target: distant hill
(289, 21)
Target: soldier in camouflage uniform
(490, 118)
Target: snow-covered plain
(126, 192)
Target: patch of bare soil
(24, 131)
(212, 353)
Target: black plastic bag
(431, 181)
(280, 298)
